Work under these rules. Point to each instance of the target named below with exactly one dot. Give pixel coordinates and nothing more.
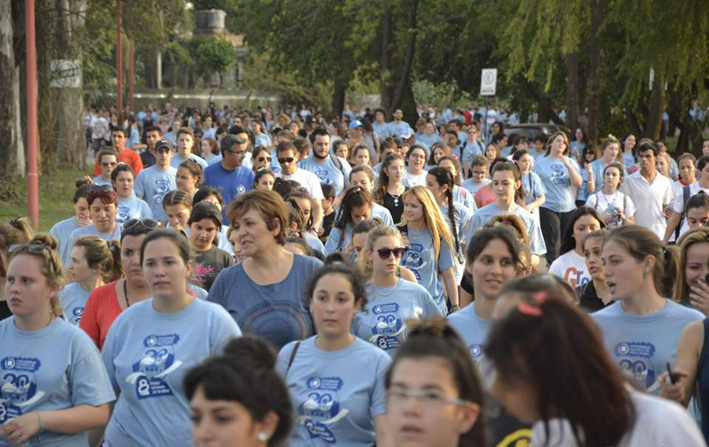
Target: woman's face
(427, 420)
(589, 156)
(206, 149)
(629, 143)
(185, 180)
(130, 259)
(262, 160)
(81, 209)
(417, 160)
(697, 265)
(687, 170)
(26, 289)
(333, 305)
(178, 215)
(306, 206)
(663, 166)
(225, 423)
(504, 185)
(235, 247)
(495, 128)
(78, 268)
(437, 190)
(124, 184)
(593, 252)
(341, 151)
(165, 271)
(697, 217)
(448, 164)
(266, 182)
(202, 234)
(558, 145)
(611, 178)
(359, 241)
(584, 225)
(360, 214)
(705, 148)
(624, 274)
(525, 163)
(491, 152)
(437, 154)
(362, 157)
(413, 209)
(252, 234)
(103, 215)
(491, 269)
(430, 129)
(611, 151)
(395, 170)
(578, 134)
(390, 264)
(108, 164)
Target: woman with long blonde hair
(430, 241)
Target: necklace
(125, 292)
(393, 289)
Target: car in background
(531, 130)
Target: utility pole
(32, 149)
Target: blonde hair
(698, 236)
(435, 222)
(51, 266)
(378, 232)
(102, 255)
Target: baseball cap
(355, 124)
(163, 143)
(408, 133)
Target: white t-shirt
(571, 267)
(678, 204)
(606, 203)
(649, 199)
(307, 180)
(410, 180)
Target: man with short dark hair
(152, 136)
(398, 127)
(229, 176)
(380, 125)
(125, 155)
(330, 169)
(154, 182)
(185, 143)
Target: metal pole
(487, 105)
(131, 74)
(32, 148)
(119, 60)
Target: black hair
(319, 132)
(205, 191)
(206, 210)
(178, 239)
(328, 191)
(568, 242)
(699, 200)
(262, 173)
(245, 374)
(83, 189)
(122, 167)
(354, 196)
(485, 235)
(339, 266)
(511, 166)
(444, 177)
(646, 146)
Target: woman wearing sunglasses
(261, 159)
(55, 387)
(392, 301)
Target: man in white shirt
(286, 154)
(650, 192)
(702, 184)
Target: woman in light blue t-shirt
(561, 177)
(128, 205)
(336, 380)
(61, 231)
(54, 386)
(153, 343)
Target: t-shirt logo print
(557, 174)
(162, 187)
(388, 326)
(635, 359)
(323, 176)
(156, 362)
(122, 214)
(18, 387)
(322, 409)
(414, 260)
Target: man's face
(287, 161)
(118, 140)
(321, 146)
(647, 160)
(207, 122)
(151, 138)
(361, 179)
(379, 116)
(398, 115)
(163, 156)
(184, 144)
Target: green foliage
(212, 54)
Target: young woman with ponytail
(356, 206)
(55, 386)
(390, 187)
(93, 263)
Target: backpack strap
(338, 164)
(685, 197)
(292, 356)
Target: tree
(12, 150)
(212, 55)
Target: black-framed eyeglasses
(36, 248)
(286, 160)
(148, 224)
(262, 159)
(385, 253)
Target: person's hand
(620, 214)
(607, 217)
(671, 391)
(699, 296)
(669, 212)
(18, 430)
(589, 169)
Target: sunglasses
(36, 248)
(148, 224)
(262, 159)
(286, 160)
(385, 253)
(105, 165)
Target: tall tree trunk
(12, 152)
(572, 90)
(337, 103)
(405, 77)
(545, 109)
(68, 98)
(594, 73)
(387, 86)
(653, 125)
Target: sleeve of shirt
(629, 207)
(222, 331)
(430, 308)
(90, 384)
(538, 186)
(138, 187)
(317, 190)
(137, 164)
(108, 356)
(216, 292)
(445, 258)
(346, 168)
(378, 401)
(669, 196)
(283, 359)
(145, 211)
(332, 243)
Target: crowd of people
(236, 278)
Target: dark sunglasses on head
(148, 224)
(286, 160)
(385, 253)
(36, 248)
(262, 159)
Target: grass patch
(56, 189)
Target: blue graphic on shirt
(476, 350)
(557, 174)
(75, 317)
(323, 176)
(156, 362)
(122, 214)
(322, 409)
(635, 358)
(162, 187)
(388, 327)
(414, 260)
(18, 387)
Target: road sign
(488, 82)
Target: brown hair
(269, 205)
(177, 197)
(102, 255)
(551, 139)
(698, 236)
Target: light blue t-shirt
(598, 167)
(55, 368)
(147, 354)
(61, 231)
(643, 344)
(533, 187)
(472, 328)
(420, 259)
(176, 160)
(328, 173)
(536, 239)
(465, 198)
(537, 155)
(132, 208)
(473, 187)
(560, 196)
(336, 394)
(382, 213)
(337, 241)
(384, 322)
(399, 129)
(74, 298)
(462, 221)
(582, 193)
(152, 184)
(628, 160)
(275, 312)
(314, 243)
(212, 158)
(428, 140)
(100, 181)
(382, 130)
(471, 150)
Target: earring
(263, 436)
(645, 273)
